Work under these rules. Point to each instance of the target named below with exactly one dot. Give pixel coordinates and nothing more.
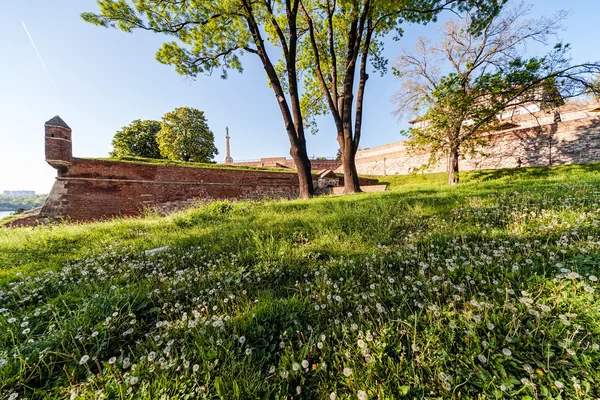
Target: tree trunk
(300, 156)
(293, 124)
(453, 167)
(340, 106)
(351, 183)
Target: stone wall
(282, 162)
(99, 189)
(574, 140)
(96, 189)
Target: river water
(5, 214)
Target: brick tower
(59, 148)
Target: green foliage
(213, 35)
(347, 33)
(210, 35)
(486, 290)
(138, 139)
(595, 88)
(489, 75)
(197, 164)
(12, 203)
(185, 136)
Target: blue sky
(102, 79)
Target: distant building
(19, 192)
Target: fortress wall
(93, 189)
(282, 162)
(97, 189)
(575, 140)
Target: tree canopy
(137, 139)
(488, 74)
(321, 43)
(344, 38)
(12, 203)
(213, 35)
(185, 136)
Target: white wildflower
(559, 384)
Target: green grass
(192, 164)
(485, 290)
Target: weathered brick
(576, 140)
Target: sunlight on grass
(484, 290)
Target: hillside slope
(485, 290)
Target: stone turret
(59, 148)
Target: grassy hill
(486, 290)
(189, 164)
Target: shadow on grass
(532, 173)
(363, 220)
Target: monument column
(228, 159)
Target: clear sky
(102, 79)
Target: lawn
(486, 290)
(189, 164)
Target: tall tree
(137, 139)
(185, 136)
(213, 35)
(488, 75)
(344, 37)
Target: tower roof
(57, 121)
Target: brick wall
(100, 189)
(97, 189)
(58, 146)
(282, 162)
(575, 140)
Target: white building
(25, 193)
